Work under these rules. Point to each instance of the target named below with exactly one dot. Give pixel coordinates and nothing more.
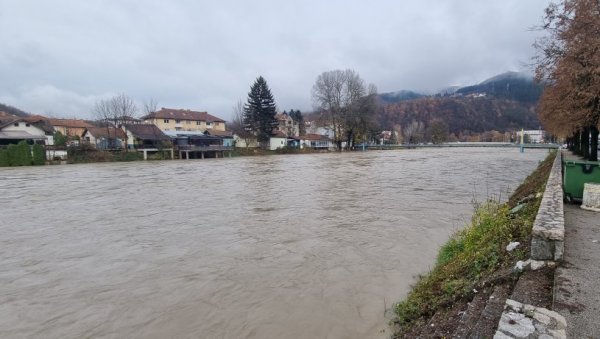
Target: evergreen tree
(260, 110)
(299, 119)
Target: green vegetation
(39, 155)
(60, 139)
(86, 154)
(468, 260)
(259, 111)
(21, 155)
(4, 159)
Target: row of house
(187, 131)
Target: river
(291, 246)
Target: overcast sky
(59, 57)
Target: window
(197, 122)
(208, 124)
(27, 125)
(177, 121)
(16, 124)
(166, 121)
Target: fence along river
(302, 246)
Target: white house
(536, 136)
(34, 128)
(278, 140)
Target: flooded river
(299, 246)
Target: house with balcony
(148, 139)
(316, 142)
(169, 119)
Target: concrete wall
(547, 241)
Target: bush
(128, 156)
(23, 154)
(4, 160)
(39, 155)
(86, 153)
(60, 139)
(19, 154)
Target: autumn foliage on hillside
(461, 115)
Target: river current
(291, 246)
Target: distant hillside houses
(194, 134)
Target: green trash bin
(575, 174)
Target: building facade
(168, 119)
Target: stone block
(591, 197)
(542, 249)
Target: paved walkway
(577, 280)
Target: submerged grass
(474, 253)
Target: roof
(103, 132)
(20, 135)
(282, 116)
(70, 123)
(7, 121)
(146, 132)
(41, 122)
(278, 134)
(224, 134)
(36, 120)
(182, 114)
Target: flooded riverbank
(299, 246)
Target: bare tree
(413, 132)
(237, 125)
(340, 95)
(103, 113)
(114, 111)
(149, 106)
(123, 108)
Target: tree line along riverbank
(464, 294)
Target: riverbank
(464, 295)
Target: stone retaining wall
(547, 242)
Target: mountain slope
(505, 102)
(461, 115)
(13, 110)
(510, 85)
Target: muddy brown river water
(299, 246)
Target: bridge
(458, 144)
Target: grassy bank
(476, 256)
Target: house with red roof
(169, 119)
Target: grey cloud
(205, 54)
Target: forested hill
(505, 102)
(462, 115)
(13, 110)
(511, 86)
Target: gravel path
(577, 290)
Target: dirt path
(577, 290)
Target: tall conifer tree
(260, 110)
